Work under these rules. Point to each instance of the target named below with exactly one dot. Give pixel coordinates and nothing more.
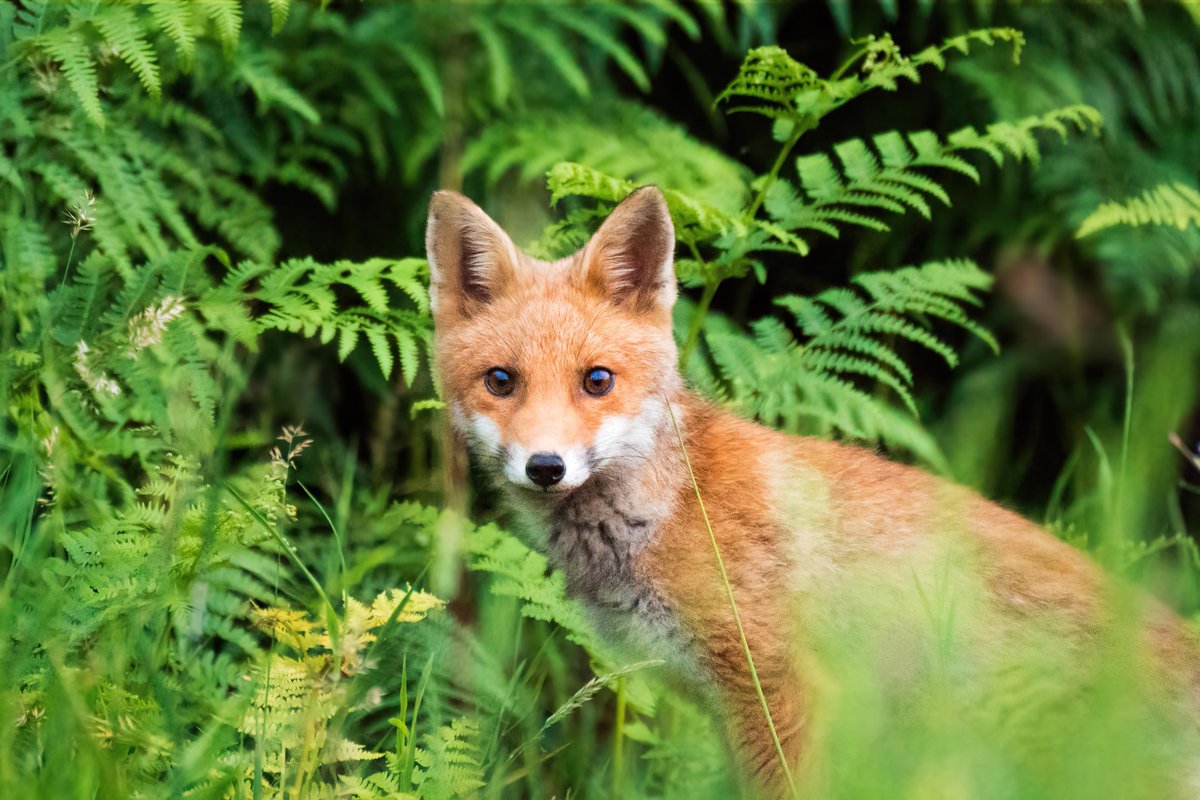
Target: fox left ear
(471, 259)
(631, 257)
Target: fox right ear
(471, 259)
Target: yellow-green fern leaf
(1175, 204)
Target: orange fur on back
(802, 524)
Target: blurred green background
(211, 219)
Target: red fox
(563, 379)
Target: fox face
(554, 372)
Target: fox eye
(598, 381)
(499, 382)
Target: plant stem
(70, 257)
(290, 551)
(799, 130)
(737, 618)
(618, 774)
(1126, 424)
(697, 322)
(849, 62)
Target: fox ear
(471, 259)
(631, 258)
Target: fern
(521, 573)
(179, 22)
(612, 137)
(177, 619)
(301, 297)
(449, 762)
(808, 384)
(604, 41)
(857, 187)
(892, 175)
(279, 14)
(773, 84)
(889, 177)
(295, 700)
(270, 89)
(122, 32)
(1147, 92)
(226, 16)
(69, 48)
(1174, 204)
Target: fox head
(555, 372)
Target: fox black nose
(545, 469)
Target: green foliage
(611, 136)
(449, 762)
(1147, 93)
(773, 84)
(170, 555)
(892, 175)
(301, 297)
(807, 385)
(522, 573)
(1175, 204)
(192, 197)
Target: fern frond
(30, 19)
(523, 573)
(450, 762)
(1018, 138)
(694, 219)
(125, 34)
(773, 84)
(69, 48)
(226, 15)
(427, 76)
(180, 23)
(548, 41)
(848, 333)
(1173, 204)
(279, 14)
(301, 296)
(772, 387)
(500, 68)
(271, 89)
(602, 39)
(615, 137)
(891, 174)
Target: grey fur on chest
(598, 538)
(596, 541)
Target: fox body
(563, 379)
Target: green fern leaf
(1173, 204)
(226, 15)
(270, 89)
(123, 32)
(608, 44)
(500, 71)
(382, 350)
(180, 23)
(550, 44)
(68, 47)
(427, 76)
(279, 14)
(450, 762)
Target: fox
(562, 379)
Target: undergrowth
(207, 594)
